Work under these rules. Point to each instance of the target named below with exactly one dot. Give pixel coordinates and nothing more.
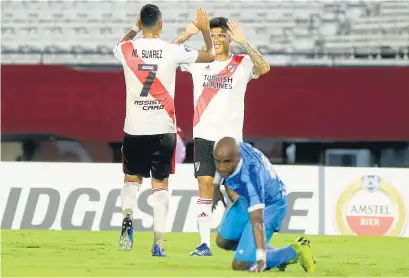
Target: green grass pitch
(79, 253)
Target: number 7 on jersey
(149, 79)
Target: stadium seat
(297, 28)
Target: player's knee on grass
(205, 187)
(132, 178)
(229, 245)
(240, 265)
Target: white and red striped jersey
(219, 90)
(150, 72)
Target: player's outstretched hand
(259, 266)
(235, 32)
(217, 197)
(191, 28)
(202, 20)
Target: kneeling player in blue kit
(258, 211)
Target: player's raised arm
(189, 31)
(133, 32)
(208, 55)
(202, 23)
(199, 24)
(261, 66)
(128, 37)
(256, 209)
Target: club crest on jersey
(197, 166)
(231, 68)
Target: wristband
(261, 255)
(135, 28)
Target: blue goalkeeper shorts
(236, 226)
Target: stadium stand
(288, 32)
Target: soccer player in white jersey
(148, 148)
(219, 89)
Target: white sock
(129, 193)
(160, 213)
(204, 215)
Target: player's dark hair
(150, 15)
(219, 22)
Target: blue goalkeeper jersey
(255, 179)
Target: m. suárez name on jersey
(148, 54)
(151, 54)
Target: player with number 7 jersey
(149, 143)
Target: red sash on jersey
(157, 90)
(209, 93)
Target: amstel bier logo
(370, 207)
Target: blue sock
(275, 257)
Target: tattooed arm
(130, 35)
(133, 32)
(190, 31)
(261, 66)
(181, 38)
(199, 24)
